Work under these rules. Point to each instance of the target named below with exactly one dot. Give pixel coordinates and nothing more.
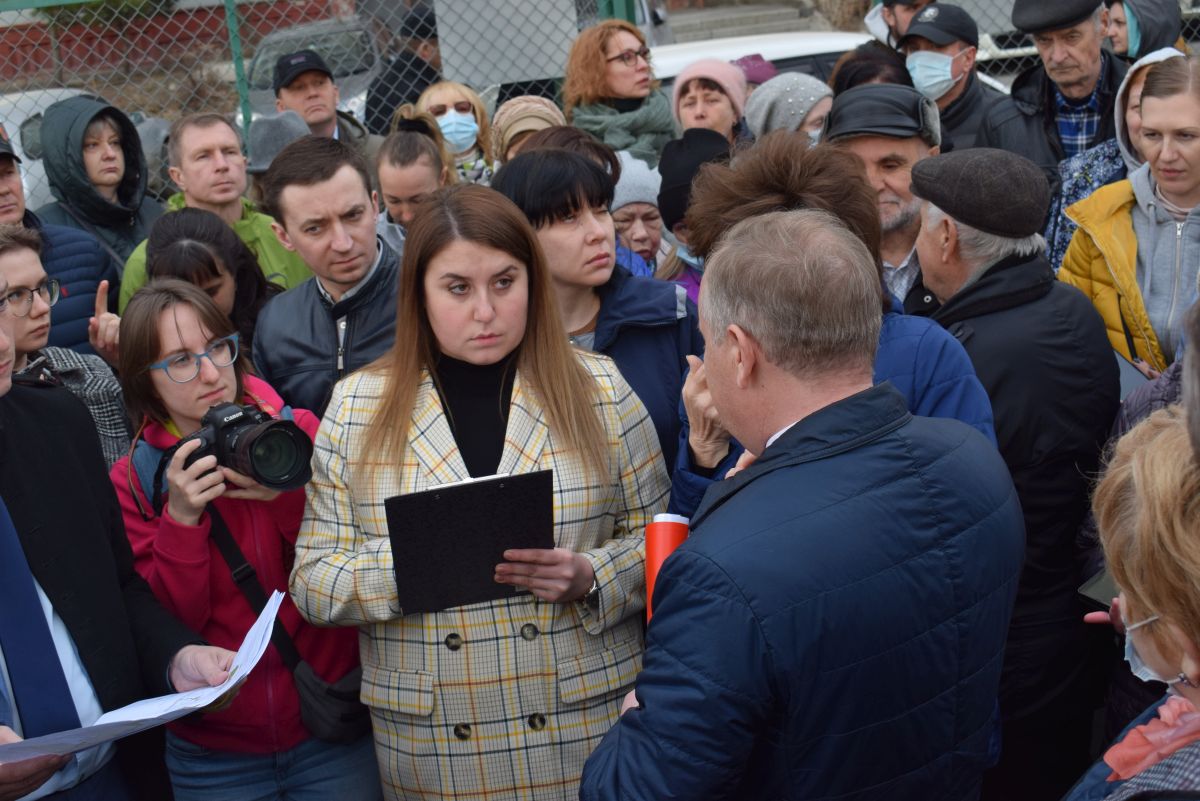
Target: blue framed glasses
(184, 367)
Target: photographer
(179, 358)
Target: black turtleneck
(625, 104)
(476, 399)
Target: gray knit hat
(269, 134)
(783, 102)
(638, 184)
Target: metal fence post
(618, 9)
(239, 63)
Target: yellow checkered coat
(499, 700)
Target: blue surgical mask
(459, 129)
(932, 73)
(814, 137)
(1138, 667)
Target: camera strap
(246, 579)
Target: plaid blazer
(503, 699)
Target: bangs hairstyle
(545, 359)
(195, 245)
(483, 139)
(141, 346)
(1147, 510)
(1175, 76)
(587, 77)
(782, 172)
(577, 140)
(550, 185)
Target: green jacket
(279, 265)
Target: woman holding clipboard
(506, 697)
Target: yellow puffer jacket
(1101, 261)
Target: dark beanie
(681, 160)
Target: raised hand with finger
(104, 328)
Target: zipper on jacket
(1150, 359)
(1175, 283)
(341, 352)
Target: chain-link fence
(160, 59)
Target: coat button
(454, 641)
(529, 631)
(537, 721)
(462, 731)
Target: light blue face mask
(815, 137)
(459, 129)
(1138, 667)
(932, 73)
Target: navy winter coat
(78, 261)
(834, 626)
(927, 365)
(649, 327)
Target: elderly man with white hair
(1041, 352)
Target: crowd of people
(915, 357)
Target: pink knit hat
(729, 77)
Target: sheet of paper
(151, 712)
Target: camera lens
(276, 454)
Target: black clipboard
(447, 540)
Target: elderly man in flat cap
(1064, 105)
(1043, 356)
(891, 128)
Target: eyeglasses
(629, 57)
(462, 107)
(20, 301)
(184, 367)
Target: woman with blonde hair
(463, 122)
(610, 91)
(1147, 510)
(504, 698)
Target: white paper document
(152, 712)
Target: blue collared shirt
(1078, 122)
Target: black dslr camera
(275, 453)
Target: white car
(21, 115)
(811, 52)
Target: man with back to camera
(207, 164)
(799, 639)
(940, 46)
(1041, 351)
(303, 83)
(891, 128)
(81, 632)
(343, 318)
(1063, 105)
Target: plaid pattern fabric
(500, 700)
(1077, 124)
(1179, 771)
(93, 382)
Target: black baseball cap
(6, 147)
(291, 66)
(943, 24)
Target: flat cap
(991, 190)
(943, 24)
(883, 109)
(1035, 16)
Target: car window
(347, 52)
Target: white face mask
(1137, 666)
(932, 73)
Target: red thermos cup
(663, 536)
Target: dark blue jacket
(834, 627)
(649, 327)
(927, 365)
(78, 261)
(1095, 785)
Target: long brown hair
(545, 360)
(1175, 76)
(587, 81)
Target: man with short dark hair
(891, 128)
(303, 83)
(1063, 105)
(1042, 353)
(319, 192)
(940, 47)
(208, 166)
(849, 588)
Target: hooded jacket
(1025, 122)
(280, 265)
(649, 327)
(1106, 163)
(120, 226)
(1159, 24)
(191, 579)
